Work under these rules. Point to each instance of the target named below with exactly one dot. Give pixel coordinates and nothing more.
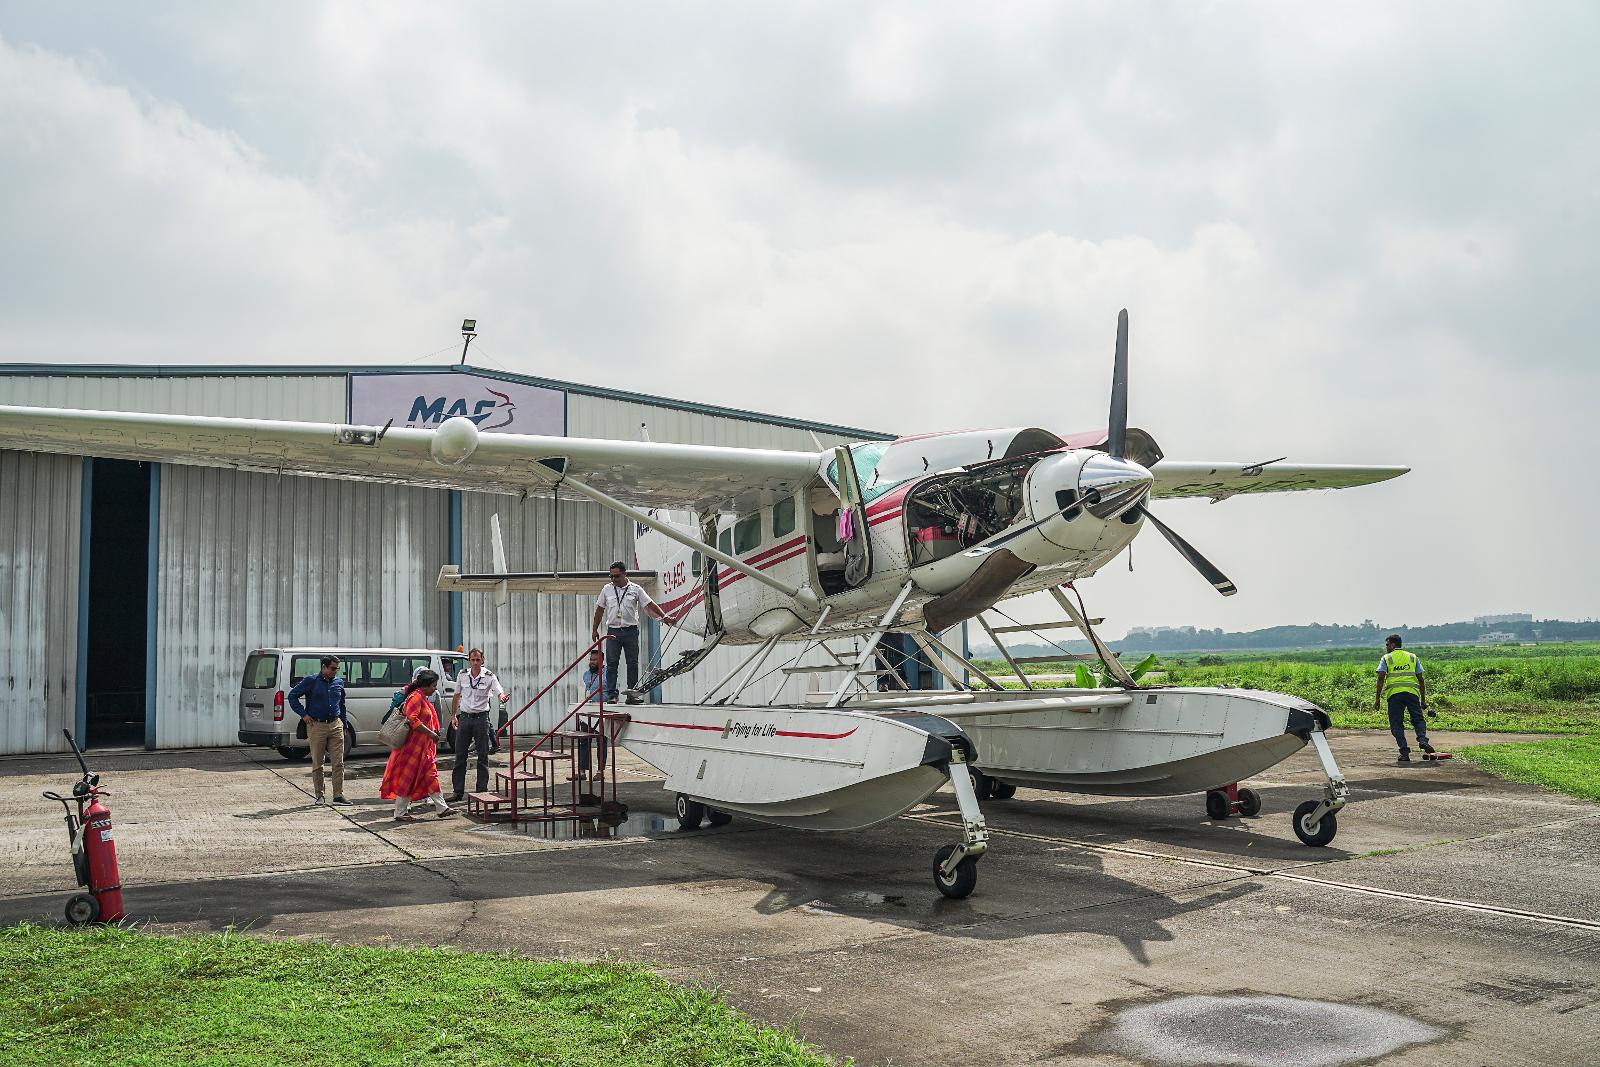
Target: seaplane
(809, 559)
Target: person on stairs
(619, 604)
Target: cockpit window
(866, 458)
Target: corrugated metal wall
(534, 636)
(253, 560)
(303, 399)
(38, 599)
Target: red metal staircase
(568, 773)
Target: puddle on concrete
(588, 828)
(1260, 1031)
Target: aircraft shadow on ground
(1177, 822)
(880, 876)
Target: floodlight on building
(469, 330)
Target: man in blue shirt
(325, 717)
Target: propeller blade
(1117, 434)
(1207, 569)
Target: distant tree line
(1323, 635)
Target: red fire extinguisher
(94, 852)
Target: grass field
(118, 997)
(1568, 764)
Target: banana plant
(1084, 678)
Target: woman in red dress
(411, 773)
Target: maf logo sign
(424, 400)
(491, 413)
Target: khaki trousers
(326, 737)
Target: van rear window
(260, 671)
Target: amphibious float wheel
(1249, 802)
(982, 785)
(1002, 790)
(719, 818)
(690, 813)
(1217, 804)
(959, 883)
(1316, 837)
(82, 909)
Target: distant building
(1158, 631)
(1500, 620)
(1499, 635)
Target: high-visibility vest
(1401, 676)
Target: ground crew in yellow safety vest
(1400, 680)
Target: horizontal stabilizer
(567, 583)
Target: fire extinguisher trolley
(94, 853)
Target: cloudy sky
(1361, 233)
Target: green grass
(1568, 764)
(119, 997)
(1544, 688)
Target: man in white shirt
(469, 714)
(618, 605)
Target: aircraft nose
(1108, 487)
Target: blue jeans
(620, 640)
(1399, 705)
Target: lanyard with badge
(620, 599)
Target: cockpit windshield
(866, 458)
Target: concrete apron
(1452, 920)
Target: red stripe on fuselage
(720, 729)
(736, 575)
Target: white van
(371, 676)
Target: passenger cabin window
(725, 541)
(696, 564)
(747, 534)
(783, 517)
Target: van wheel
(294, 755)
(349, 742)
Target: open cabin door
(713, 601)
(852, 519)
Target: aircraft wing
(645, 474)
(1222, 480)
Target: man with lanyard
(1400, 680)
(469, 714)
(619, 604)
(324, 716)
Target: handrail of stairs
(512, 760)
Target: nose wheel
(955, 881)
(955, 867)
(1316, 821)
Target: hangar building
(130, 593)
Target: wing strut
(801, 594)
